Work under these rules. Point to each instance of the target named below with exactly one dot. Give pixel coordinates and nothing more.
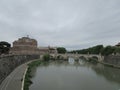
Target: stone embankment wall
(9, 63)
(113, 60)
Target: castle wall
(26, 45)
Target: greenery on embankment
(46, 57)
(99, 49)
(27, 81)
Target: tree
(117, 50)
(108, 50)
(4, 47)
(92, 50)
(96, 49)
(61, 50)
(46, 57)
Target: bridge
(99, 57)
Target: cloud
(74, 24)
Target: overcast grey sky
(74, 24)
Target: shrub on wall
(46, 57)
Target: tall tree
(4, 47)
(61, 50)
(108, 50)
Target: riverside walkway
(14, 81)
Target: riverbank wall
(10, 62)
(112, 60)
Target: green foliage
(46, 57)
(117, 50)
(61, 50)
(4, 47)
(34, 64)
(96, 49)
(27, 81)
(28, 76)
(108, 50)
(93, 50)
(99, 49)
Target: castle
(26, 45)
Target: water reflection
(71, 60)
(82, 62)
(75, 75)
(109, 73)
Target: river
(75, 75)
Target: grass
(27, 81)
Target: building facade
(26, 45)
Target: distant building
(52, 49)
(118, 45)
(26, 45)
(47, 50)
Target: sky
(73, 24)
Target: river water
(75, 75)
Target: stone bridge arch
(95, 57)
(78, 56)
(83, 57)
